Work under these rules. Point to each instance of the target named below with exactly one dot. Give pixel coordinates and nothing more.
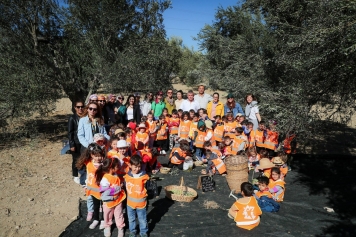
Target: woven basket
(164, 170)
(180, 197)
(237, 171)
(198, 163)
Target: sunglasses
(120, 98)
(79, 107)
(94, 100)
(102, 100)
(94, 109)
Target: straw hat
(209, 124)
(122, 144)
(278, 161)
(265, 163)
(119, 130)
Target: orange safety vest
(200, 139)
(173, 159)
(117, 198)
(287, 144)
(141, 153)
(152, 128)
(219, 165)
(216, 151)
(248, 214)
(267, 172)
(141, 137)
(92, 188)
(228, 127)
(124, 168)
(136, 191)
(272, 184)
(263, 193)
(256, 138)
(271, 141)
(235, 147)
(219, 133)
(174, 129)
(112, 153)
(162, 132)
(184, 127)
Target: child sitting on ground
(215, 163)
(276, 185)
(263, 187)
(253, 158)
(135, 181)
(265, 167)
(179, 155)
(245, 211)
(280, 162)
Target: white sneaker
(102, 225)
(94, 224)
(120, 232)
(107, 231)
(76, 180)
(163, 152)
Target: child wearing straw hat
(142, 135)
(265, 167)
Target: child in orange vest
(152, 130)
(112, 195)
(230, 125)
(257, 137)
(218, 130)
(179, 155)
(199, 139)
(135, 181)
(162, 134)
(184, 126)
(280, 162)
(228, 146)
(263, 187)
(265, 167)
(113, 145)
(123, 157)
(245, 211)
(180, 113)
(141, 135)
(253, 158)
(271, 138)
(92, 158)
(276, 185)
(191, 114)
(173, 125)
(215, 163)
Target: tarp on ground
(314, 183)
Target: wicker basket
(180, 197)
(198, 163)
(164, 170)
(237, 171)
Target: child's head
(162, 118)
(252, 152)
(180, 113)
(121, 136)
(99, 139)
(208, 154)
(207, 145)
(113, 143)
(185, 116)
(275, 173)
(229, 117)
(142, 127)
(262, 125)
(250, 126)
(112, 130)
(263, 153)
(263, 182)
(237, 117)
(150, 117)
(122, 147)
(241, 118)
(227, 140)
(135, 164)
(144, 119)
(165, 112)
(201, 125)
(184, 146)
(217, 119)
(201, 112)
(246, 189)
(109, 166)
(191, 113)
(221, 146)
(174, 113)
(93, 153)
(224, 119)
(272, 124)
(128, 132)
(239, 131)
(195, 117)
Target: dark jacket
(72, 130)
(136, 114)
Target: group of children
(117, 170)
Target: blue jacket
(235, 111)
(85, 134)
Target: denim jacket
(85, 134)
(235, 111)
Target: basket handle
(181, 181)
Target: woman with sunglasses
(91, 124)
(78, 112)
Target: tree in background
(296, 56)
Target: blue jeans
(142, 219)
(90, 204)
(83, 175)
(199, 152)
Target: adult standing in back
(179, 99)
(169, 101)
(202, 98)
(215, 107)
(232, 107)
(252, 112)
(133, 111)
(147, 103)
(190, 103)
(158, 105)
(74, 144)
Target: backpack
(152, 189)
(268, 204)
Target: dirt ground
(38, 195)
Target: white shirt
(254, 111)
(187, 105)
(203, 100)
(129, 113)
(146, 108)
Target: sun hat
(121, 144)
(142, 126)
(238, 114)
(230, 95)
(209, 124)
(117, 131)
(98, 137)
(278, 161)
(265, 163)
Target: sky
(187, 17)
